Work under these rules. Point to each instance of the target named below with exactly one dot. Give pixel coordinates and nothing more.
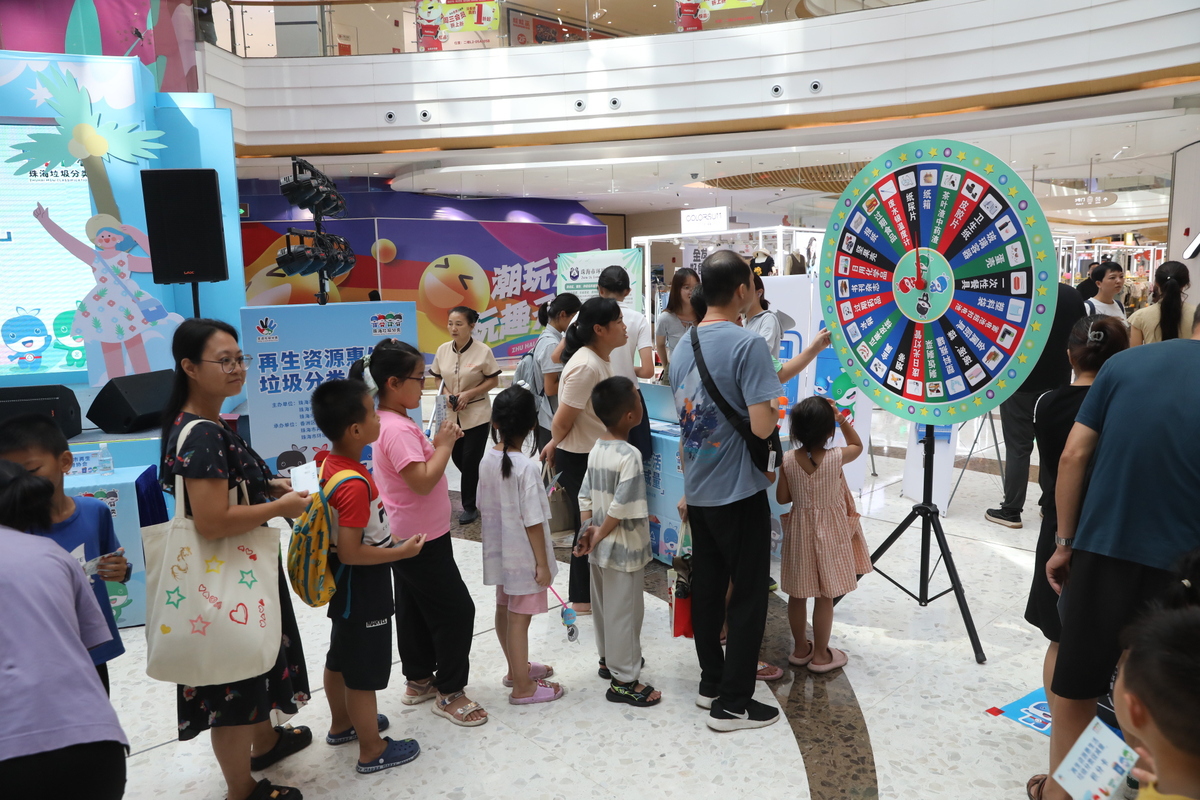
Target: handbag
(152, 310)
(765, 454)
(561, 518)
(212, 606)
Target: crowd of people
(1118, 538)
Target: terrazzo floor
(905, 719)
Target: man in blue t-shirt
(726, 496)
(1123, 526)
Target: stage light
(314, 252)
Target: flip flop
(426, 692)
(840, 659)
(1036, 787)
(768, 672)
(802, 662)
(543, 693)
(536, 671)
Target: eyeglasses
(231, 365)
(421, 379)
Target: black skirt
(1041, 611)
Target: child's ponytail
(391, 358)
(24, 499)
(514, 415)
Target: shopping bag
(561, 518)
(679, 608)
(212, 606)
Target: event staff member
(210, 367)
(1125, 514)
(726, 496)
(468, 371)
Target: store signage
(704, 220)
(1092, 200)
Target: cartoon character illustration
(689, 16)
(841, 390)
(430, 33)
(449, 281)
(108, 497)
(288, 460)
(65, 339)
(27, 337)
(118, 598)
(116, 312)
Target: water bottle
(105, 461)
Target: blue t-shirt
(717, 466)
(88, 534)
(1140, 504)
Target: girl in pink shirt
(435, 616)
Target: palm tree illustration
(83, 136)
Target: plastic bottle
(105, 461)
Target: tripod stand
(931, 525)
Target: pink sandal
(536, 671)
(768, 672)
(543, 693)
(804, 660)
(840, 659)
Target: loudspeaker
(133, 402)
(56, 401)
(184, 225)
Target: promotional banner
(525, 28)
(296, 349)
(578, 273)
(437, 20)
(503, 270)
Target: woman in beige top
(597, 330)
(468, 371)
(1169, 317)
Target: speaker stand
(931, 526)
(322, 294)
(195, 299)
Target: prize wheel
(938, 281)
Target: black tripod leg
(891, 540)
(952, 571)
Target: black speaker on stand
(185, 227)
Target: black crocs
(265, 790)
(291, 741)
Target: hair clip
(368, 378)
(1186, 582)
(1095, 334)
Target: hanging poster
(525, 29)
(578, 273)
(437, 20)
(938, 280)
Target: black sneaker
(704, 701)
(470, 515)
(772, 585)
(756, 715)
(1002, 516)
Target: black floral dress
(218, 452)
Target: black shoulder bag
(766, 454)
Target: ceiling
(1127, 154)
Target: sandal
(458, 717)
(803, 660)
(840, 659)
(425, 691)
(351, 735)
(1036, 787)
(604, 673)
(291, 741)
(768, 672)
(542, 693)
(265, 790)
(628, 693)
(536, 671)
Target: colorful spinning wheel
(938, 281)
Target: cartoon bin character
(288, 460)
(118, 598)
(430, 33)
(27, 337)
(65, 339)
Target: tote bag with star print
(212, 605)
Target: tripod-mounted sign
(939, 282)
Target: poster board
(578, 272)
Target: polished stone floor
(905, 718)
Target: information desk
(120, 492)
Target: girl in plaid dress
(823, 546)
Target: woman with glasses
(209, 368)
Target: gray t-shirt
(541, 356)
(1140, 502)
(672, 329)
(717, 466)
(767, 326)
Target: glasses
(231, 365)
(420, 380)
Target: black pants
(573, 467)
(543, 438)
(639, 436)
(1016, 422)
(730, 543)
(102, 671)
(95, 770)
(466, 455)
(435, 617)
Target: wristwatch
(1061, 542)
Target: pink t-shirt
(401, 442)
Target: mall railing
(283, 28)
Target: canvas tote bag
(212, 606)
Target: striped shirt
(614, 485)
